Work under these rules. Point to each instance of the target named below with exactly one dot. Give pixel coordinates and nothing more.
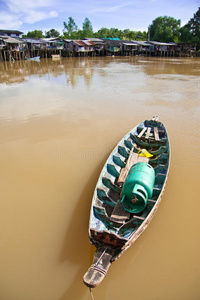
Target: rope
(92, 297)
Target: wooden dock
(12, 55)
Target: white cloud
(33, 16)
(53, 14)
(23, 11)
(24, 5)
(112, 8)
(9, 21)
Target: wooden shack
(113, 46)
(80, 47)
(162, 49)
(143, 47)
(99, 45)
(11, 33)
(186, 49)
(128, 48)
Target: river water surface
(59, 120)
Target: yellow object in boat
(144, 153)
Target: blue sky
(28, 15)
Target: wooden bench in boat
(151, 134)
(133, 159)
(119, 214)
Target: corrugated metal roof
(52, 39)
(162, 44)
(84, 43)
(95, 40)
(11, 40)
(88, 43)
(129, 44)
(33, 41)
(142, 43)
(80, 43)
(11, 31)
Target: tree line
(162, 29)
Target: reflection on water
(59, 120)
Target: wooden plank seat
(102, 215)
(150, 132)
(147, 135)
(142, 131)
(133, 158)
(151, 139)
(160, 131)
(119, 214)
(156, 133)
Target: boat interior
(108, 209)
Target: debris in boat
(144, 153)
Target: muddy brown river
(59, 120)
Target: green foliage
(52, 33)
(87, 31)
(71, 29)
(165, 29)
(34, 34)
(191, 31)
(125, 34)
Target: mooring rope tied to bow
(91, 294)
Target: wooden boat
(115, 224)
(36, 58)
(55, 56)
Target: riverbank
(12, 55)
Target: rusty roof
(84, 43)
(80, 43)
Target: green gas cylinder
(138, 187)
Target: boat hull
(111, 228)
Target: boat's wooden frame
(111, 228)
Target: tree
(34, 34)
(52, 33)
(103, 33)
(87, 29)
(191, 31)
(165, 29)
(125, 34)
(71, 28)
